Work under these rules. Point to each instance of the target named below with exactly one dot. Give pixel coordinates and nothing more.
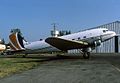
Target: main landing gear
(86, 55)
(86, 52)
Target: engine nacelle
(97, 43)
(89, 49)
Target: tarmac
(100, 68)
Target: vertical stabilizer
(16, 42)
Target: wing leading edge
(64, 44)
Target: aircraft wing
(64, 44)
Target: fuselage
(91, 36)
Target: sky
(35, 17)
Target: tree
(61, 33)
(2, 41)
(16, 31)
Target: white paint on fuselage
(42, 46)
(91, 34)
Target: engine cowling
(97, 43)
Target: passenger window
(41, 39)
(84, 37)
(73, 39)
(78, 38)
(92, 37)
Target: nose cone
(113, 33)
(108, 35)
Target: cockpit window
(84, 37)
(105, 31)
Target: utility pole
(54, 26)
(54, 33)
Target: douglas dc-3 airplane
(86, 41)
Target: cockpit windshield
(105, 31)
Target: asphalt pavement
(100, 68)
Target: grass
(10, 66)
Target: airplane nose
(108, 35)
(113, 33)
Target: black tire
(24, 56)
(86, 55)
(58, 55)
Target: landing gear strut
(86, 55)
(86, 52)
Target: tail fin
(16, 42)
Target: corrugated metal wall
(109, 46)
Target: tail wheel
(86, 55)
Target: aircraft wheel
(58, 55)
(86, 55)
(24, 56)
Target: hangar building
(112, 45)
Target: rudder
(16, 42)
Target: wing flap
(64, 44)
